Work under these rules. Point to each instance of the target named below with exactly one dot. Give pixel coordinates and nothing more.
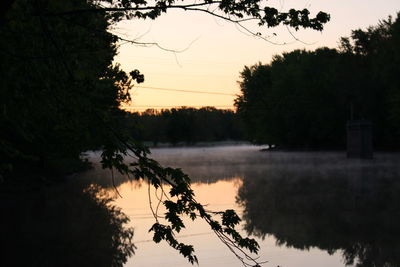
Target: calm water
(305, 209)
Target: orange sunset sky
(215, 51)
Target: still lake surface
(304, 209)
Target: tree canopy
(60, 94)
(303, 99)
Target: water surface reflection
(307, 209)
(354, 208)
(61, 224)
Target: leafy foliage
(230, 10)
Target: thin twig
(113, 182)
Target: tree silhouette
(302, 99)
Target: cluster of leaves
(303, 99)
(294, 18)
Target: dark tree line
(58, 85)
(185, 125)
(303, 99)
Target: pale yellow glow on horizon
(216, 51)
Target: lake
(304, 209)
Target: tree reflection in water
(62, 225)
(353, 210)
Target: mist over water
(223, 162)
(305, 208)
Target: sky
(211, 53)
